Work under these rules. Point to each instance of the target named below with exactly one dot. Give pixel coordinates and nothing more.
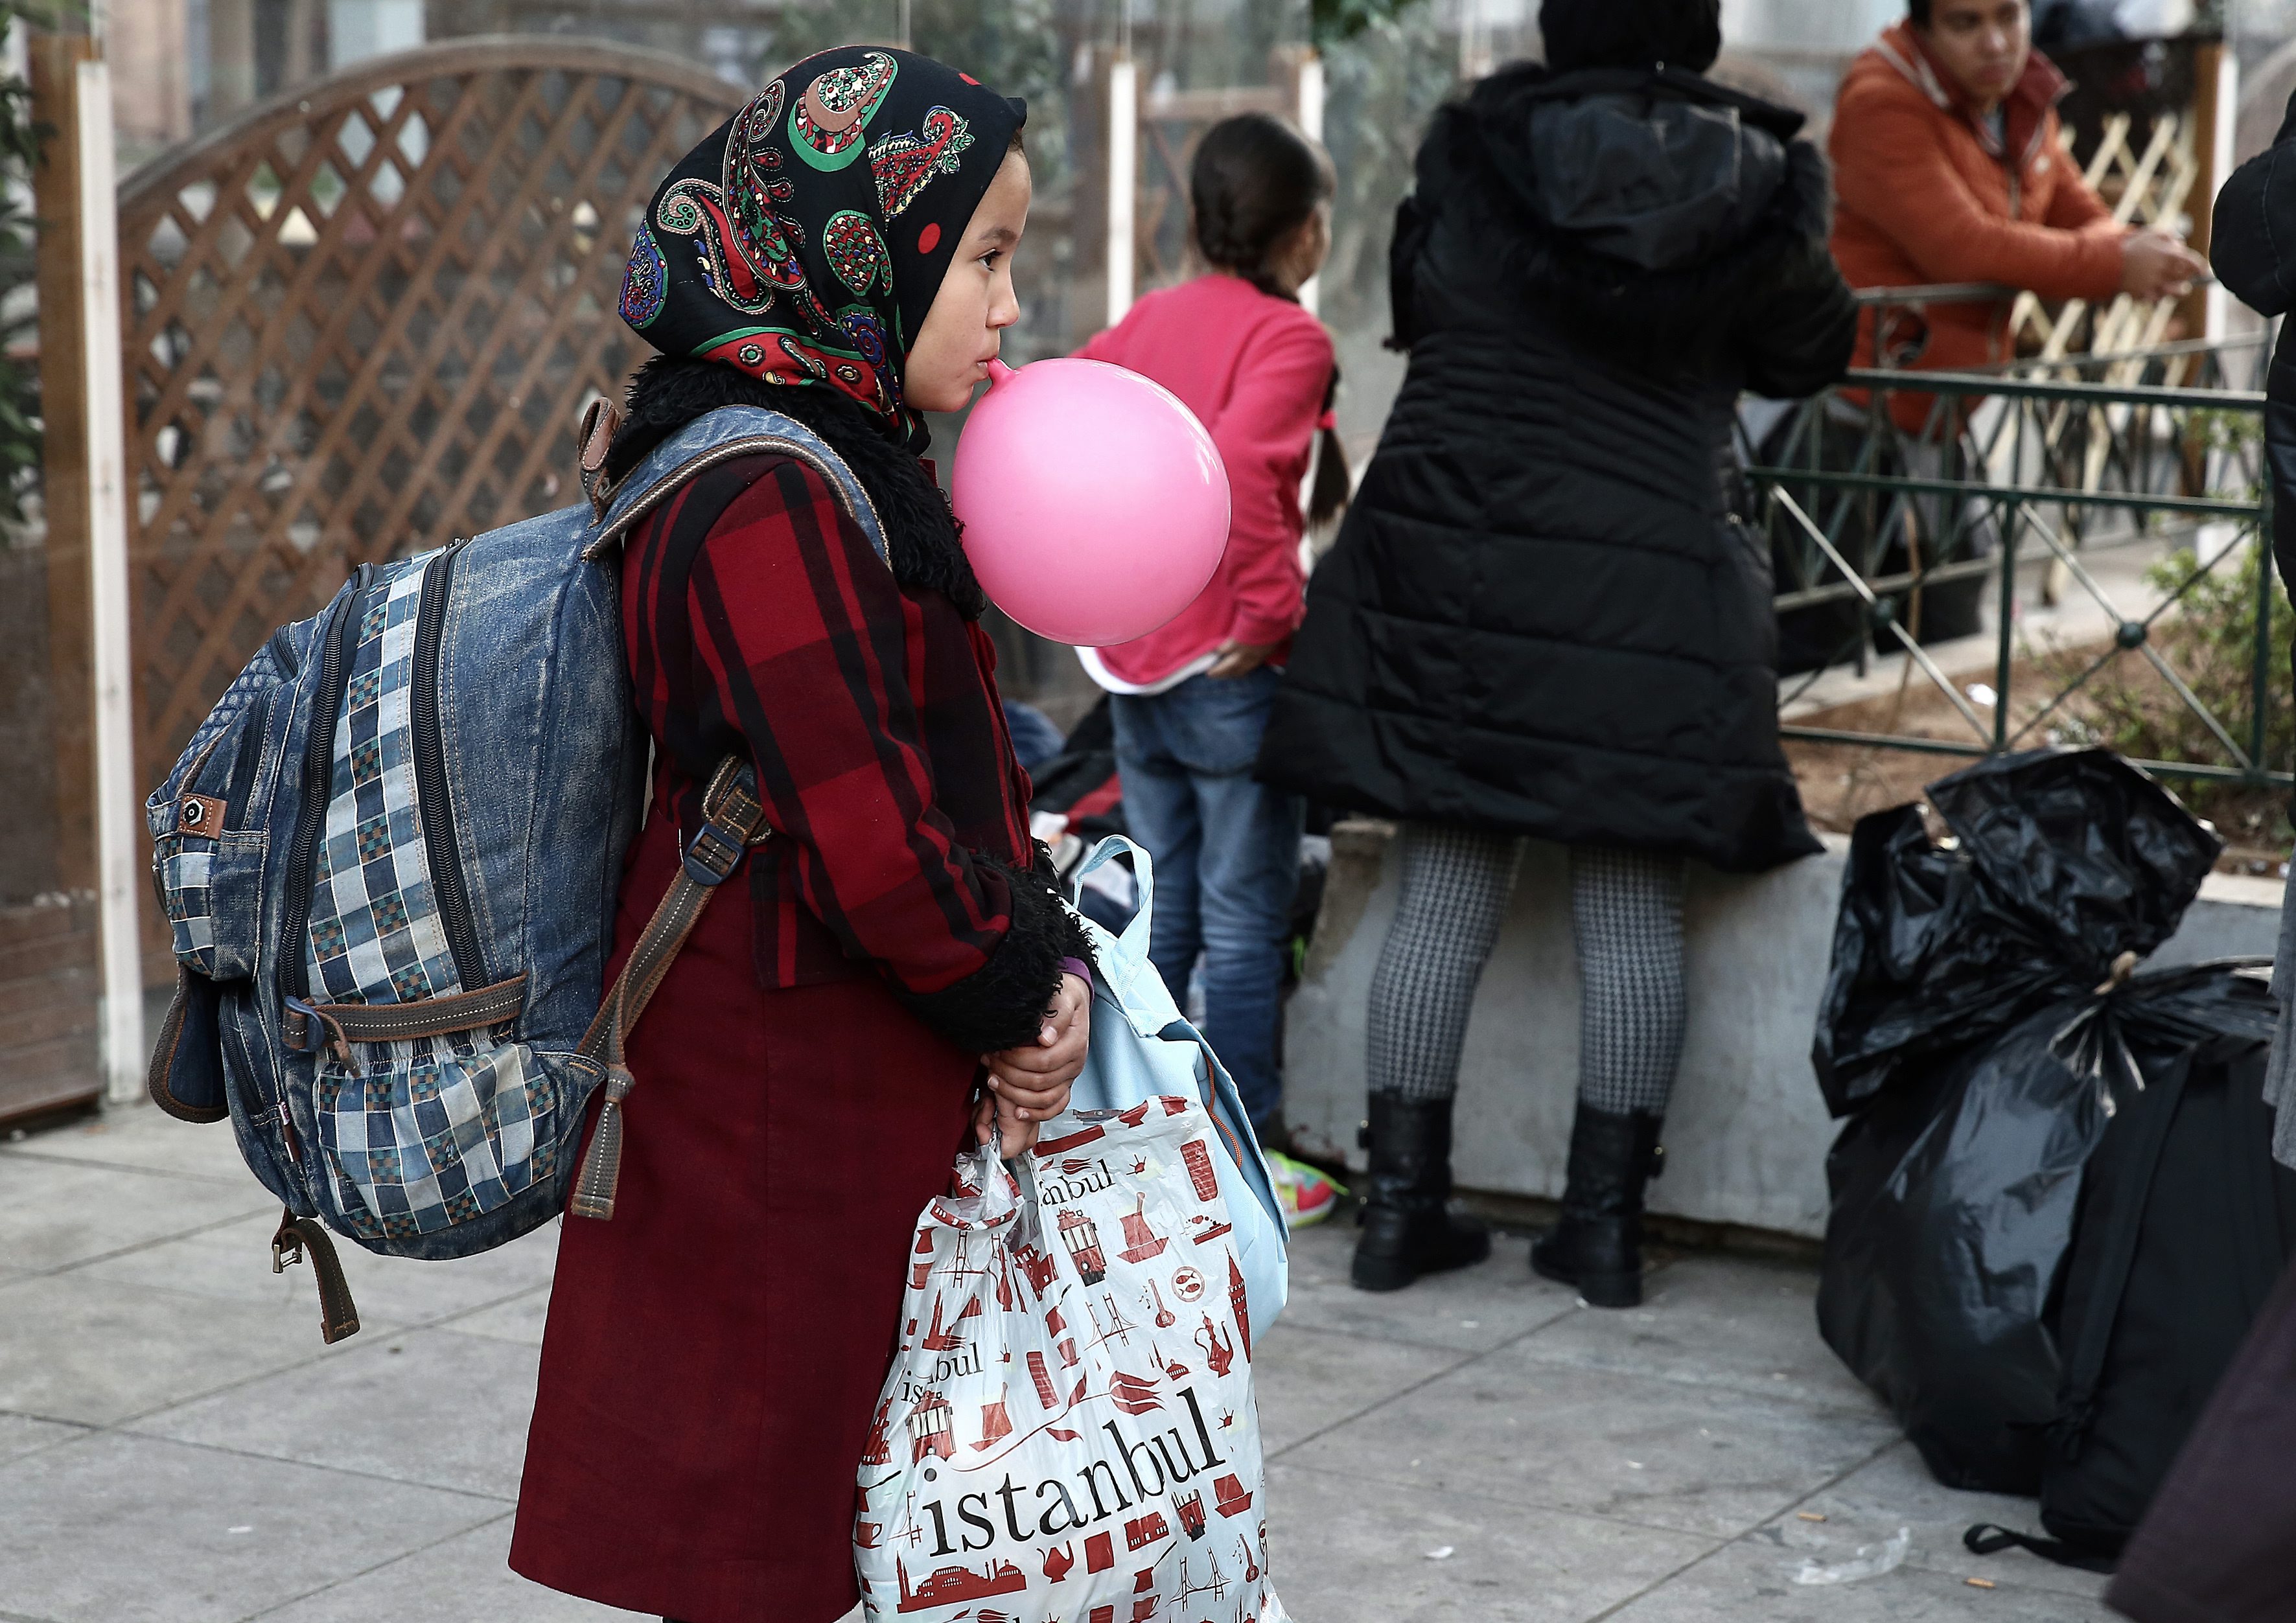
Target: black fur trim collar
(921, 535)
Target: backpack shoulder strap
(719, 436)
(2092, 1338)
(732, 813)
(733, 820)
(1987, 1538)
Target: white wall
(1817, 25)
(357, 29)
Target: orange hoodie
(1927, 193)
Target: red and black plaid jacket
(757, 617)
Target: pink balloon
(1095, 505)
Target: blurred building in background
(186, 75)
(183, 66)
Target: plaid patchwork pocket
(209, 889)
(421, 1143)
(207, 839)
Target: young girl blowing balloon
(809, 1063)
(1192, 699)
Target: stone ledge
(1748, 1132)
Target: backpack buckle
(602, 420)
(712, 855)
(732, 820)
(304, 1028)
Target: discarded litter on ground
(1872, 1560)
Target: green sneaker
(1308, 1195)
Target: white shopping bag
(1067, 1434)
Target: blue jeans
(1227, 851)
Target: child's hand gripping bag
(1067, 1434)
(1144, 1047)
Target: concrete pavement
(176, 1447)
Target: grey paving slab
(1897, 1491)
(520, 1319)
(423, 1406)
(234, 1262)
(130, 1530)
(53, 1213)
(1472, 1310)
(1343, 1554)
(1699, 1459)
(139, 1136)
(1577, 1464)
(20, 1434)
(76, 1348)
(1754, 1581)
(1306, 1380)
(464, 1578)
(1721, 1320)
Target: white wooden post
(2223, 161)
(1123, 165)
(119, 823)
(2219, 160)
(1311, 121)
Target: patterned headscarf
(804, 240)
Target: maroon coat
(714, 1352)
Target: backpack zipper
(437, 806)
(242, 768)
(311, 816)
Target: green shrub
(2208, 640)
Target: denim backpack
(390, 857)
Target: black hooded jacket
(1540, 618)
(2253, 249)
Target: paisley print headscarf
(803, 241)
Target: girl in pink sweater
(1192, 699)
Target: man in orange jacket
(1949, 167)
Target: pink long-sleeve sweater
(1255, 369)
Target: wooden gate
(364, 319)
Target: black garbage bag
(1983, 1021)
(2057, 863)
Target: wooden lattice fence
(364, 319)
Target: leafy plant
(1385, 75)
(1332, 22)
(1014, 44)
(20, 375)
(2208, 640)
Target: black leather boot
(1408, 1228)
(1598, 1244)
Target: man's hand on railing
(2155, 265)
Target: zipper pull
(300, 1237)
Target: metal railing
(1890, 540)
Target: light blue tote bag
(1143, 1047)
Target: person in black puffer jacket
(1540, 618)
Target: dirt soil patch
(1840, 782)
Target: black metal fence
(1901, 507)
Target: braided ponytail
(1255, 181)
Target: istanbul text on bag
(1068, 1430)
